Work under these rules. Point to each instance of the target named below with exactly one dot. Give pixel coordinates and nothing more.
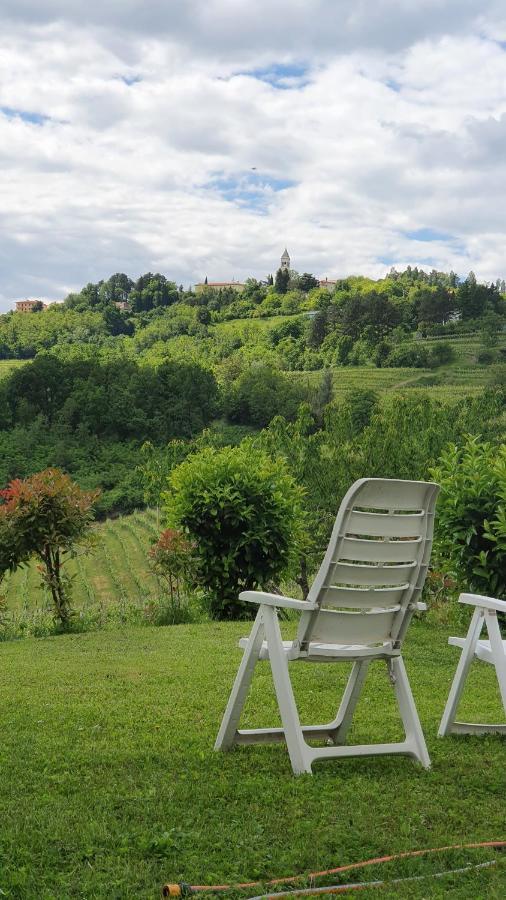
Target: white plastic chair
(358, 609)
(492, 651)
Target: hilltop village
(34, 305)
(238, 286)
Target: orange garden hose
(183, 889)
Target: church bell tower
(285, 261)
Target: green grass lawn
(109, 785)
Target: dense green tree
(259, 394)
(317, 330)
(152, 291)
(282, 281)
(306, 282)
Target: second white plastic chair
(358, 610)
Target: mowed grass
(115, 570)
(110, 786)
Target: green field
(7, 365)
(116, 571)
(110, 786)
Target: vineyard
(116, 572)
(456, 380)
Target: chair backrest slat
(375, 565)
(363, 550)
(345, 572)
(349, 628)
(375, 524)
(361, 598)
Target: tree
(362, 404)
(243, 511)
(306, 282)
(47, 516)
(203, 315)
(260, 393)
(115, 322)
(282, 281)
(317, 330)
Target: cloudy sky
(199, 137)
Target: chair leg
(232, 714)
(408, 711)
(338, 729)
(297, 748)
(466, 658)
(498, 655)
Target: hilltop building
(328, 283)
(237, 286)
(29, 305)
(285, 261)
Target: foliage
(244, 513)
(118, 399)
(156, 466)
(173, 560)
(362, 405)
(471, 520)
(282, 281)
(47, 516)
(260, 393)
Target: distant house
(237, 286)
(29, 305)
(328, 283)
(122, 305)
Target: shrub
(440, 354)
(47, 516)
(471, 520)
(408, 356)
(486, 357)
(243, 512)
(172, 558)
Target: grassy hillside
(7, 365)
(115, 572)
(110, 786)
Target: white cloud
(134, 143)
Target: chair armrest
(483, 602)
(275, 600)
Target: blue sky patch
(393, 85)
(249, 189)
(428, 234)
(129, 79)
(27, 116)
(284, 76)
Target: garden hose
(183, 889)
